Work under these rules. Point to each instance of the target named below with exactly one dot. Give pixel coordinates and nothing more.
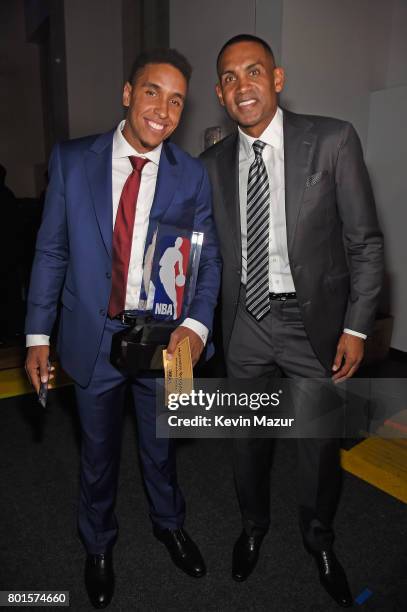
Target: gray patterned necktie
(258, 212)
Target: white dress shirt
(280, 277)
(121, 169)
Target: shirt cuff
(36, 340)
(355, 333)
(198, 328)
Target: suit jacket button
(108, 275)
(102, 312)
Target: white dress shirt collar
(272, 135)
(122, 148)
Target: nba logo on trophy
(172, 270)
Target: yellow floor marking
(380, 462)
(14, 381)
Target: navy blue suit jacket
(73, 260)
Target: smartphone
(43, 392)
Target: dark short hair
(161, 56)
(244, 38)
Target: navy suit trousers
(100, 407)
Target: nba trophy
(170, 271)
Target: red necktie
(123, 236)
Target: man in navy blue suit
(105, 197)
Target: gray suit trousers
(274, 347)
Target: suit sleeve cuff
(197, 327)
(354, 333)
(36, 340)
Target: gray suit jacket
(335, 246)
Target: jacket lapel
(229, 180)
(168, 177)
(98, 166)
(169, 173)
(299, 146)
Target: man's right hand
(37, 364)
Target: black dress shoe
(99, 579)
(183, 551)
(332, 577)
(245, 554)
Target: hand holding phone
(39, 371)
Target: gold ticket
(178, 371)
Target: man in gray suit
(302, 271)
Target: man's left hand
(195, 343)
(349, 354)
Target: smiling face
(155, 102)
(248, 85)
